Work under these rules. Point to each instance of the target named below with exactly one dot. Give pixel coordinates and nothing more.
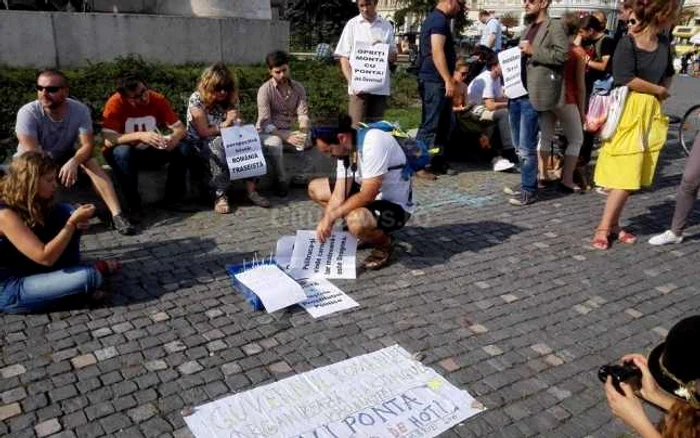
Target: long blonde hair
(213, 77)
(19, 188)
(681, 421)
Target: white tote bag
(244, 154)
(617, 100)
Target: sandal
(601, 243)
(379, 257)
(108, 267)
(221, 205)
(625, 236)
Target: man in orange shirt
(132, 119)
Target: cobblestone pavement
(509, 303)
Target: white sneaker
(501, 164)
(665, 238)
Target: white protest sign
(275, 289)
(510, 61)
(324, 298)
(283, 252)
(335, 258)
(244, 154)
(385, 394)
(370, 63)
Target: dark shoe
(258, 200)
(379, 257)
(568, 190)
(282, 190)
(122, 225)
(525, 198)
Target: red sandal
(625, 237)
(601, 243)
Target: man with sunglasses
(369, 190)
(54, 123)
(544, 50)
(132, 120)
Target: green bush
(93, 84)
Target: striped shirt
(279, 108)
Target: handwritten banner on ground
(382, 394)
(244, 154)
(335, 258)
(283, 251)
(324, 298)
(510, 61)
(275, 289)
(370, 63)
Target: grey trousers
(688, 190)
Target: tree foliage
(419, 9)
(317, 21)
(509, 20)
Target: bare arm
(179, 131)
(84, 152)
(346, 68)
(28, 142)
(115, 138)
(601, 65)
(24, 239)
(368, 192)
(493, 104)
(437, 45)
(491, 41)
(642, 86)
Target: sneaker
(512, 191)
(500, 164)
(665, 238)
(122, 225)
(525, 198)
(258, 200)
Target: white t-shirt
(378, 153)
(492, 27)
(483, 87)
(359, 29)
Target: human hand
(169, 143)
(68, 174)
(297, 140)
(80, 217)
(663, 93)
(649, 389)
(627, 407)
(450, 87)
(153, 139)
(231, 117)
(525, 47)
(324, 228)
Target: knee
(360, 221)
(689, 185)
(119, 154)
(315, 189)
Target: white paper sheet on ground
(244, 154)
(385, 394)
(324, 298)
(510, 61)
(370, 64)
(274, 288)
(335, 258)
(283, 253)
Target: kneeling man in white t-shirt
(368, 191)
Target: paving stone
(492, 350)
(449, 365)
(509, 298)
(559, 394)
(190, 367)
(634, 313)
(482, 285)
(252, 348)
(477, 328)
(231, 368)
(583, 310)
(64, 354)
(9, 411)
(541, 349)
(553, 360)
(12, 371)
(663, 332)
(83, 361)
(213, 313)
(160, 317)
(174, 346)
(102, 332)
(281, 367)
(106, 353)
(122, 327)
(48, 427)
(667, 288)
(142, 413)
(13, 395)
(217, 345)
(156, 365)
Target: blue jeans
(126, 161)
(436, 115)
(37, 287)
(524, 126)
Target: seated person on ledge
(53, 124)
(40, 241)
(280, 100)
(213, 107)
(368, 191)
(131, 120)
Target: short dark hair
(129, 82)
(591, 23)
(328, 130)
(275, 59)
(483, 13)
(53, 72)
(491, 61)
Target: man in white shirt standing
(485, 94)
(491, 33)
(367, 27)
(369, 191)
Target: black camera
(627, 372)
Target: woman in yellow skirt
(627, 161)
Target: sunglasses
(226, 88)
(50, 89)
(530, 2)
(139, 96)
(632, 21)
